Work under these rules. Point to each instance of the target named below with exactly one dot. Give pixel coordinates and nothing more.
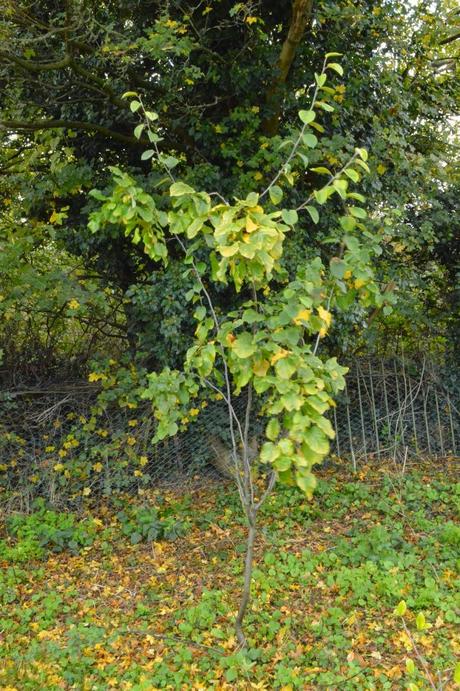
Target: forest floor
(119, 606)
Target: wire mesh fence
(397, 409)
(57, 443)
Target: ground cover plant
(356, 589)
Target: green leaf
(276, 194)
(134, 106)
(170, 161)
(147, 154)
(269, 452)
(138, 130)
(320, 79)
(306, 483)
(338, 267)
(457, 673)
(322, 170)
(333, 55)
(348, 223)
(318, 127)
(285, 368)
(200, 313)
(273, 429)
(357, 212)
(410, 666)
(325, 106)
(150, 115)
(316, 440)
(401, 609)
(307, 116)
(420, 621)
(356, 195)
(336, 67)
(252, 199)
(282, 463)
(362, 165)
(243, 346)
(321, 195)
(178, 189)
(313, 213)
(310, 139)
(129, 94)
(289, 216)
(310, 456)
(352, 174)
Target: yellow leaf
(74, 304)
(250, 225)
(96, 376)
(302, 316)
(250, 20)
(324, 315)
(86, 491)
(279, 355)
(381, 169)
(359, 282)
(97, 467)
(229, 251)
(260, 368)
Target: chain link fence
(57, 443)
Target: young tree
(266, 347)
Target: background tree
(231, 73)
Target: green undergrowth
(356, 589)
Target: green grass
(141, 598)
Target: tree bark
(301, 17)
(246, 594)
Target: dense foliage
(226, 85)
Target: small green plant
(422, 673)
(44, 530)
(146, 524)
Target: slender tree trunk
(248, 566)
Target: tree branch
(36, 125)
(32, 66)
(449, 39)
(301, 16)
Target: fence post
(374, 410)
(350, 433)
(361, 412)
